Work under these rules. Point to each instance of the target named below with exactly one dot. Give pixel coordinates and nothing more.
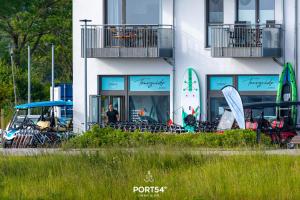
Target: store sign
(258, 83)
(112, 83)
(219, 82)
(149, 83)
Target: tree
(37, 23)
(6, 86)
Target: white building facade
(139, 50)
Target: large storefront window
(136, 98)
(152, 109)
(252, 88)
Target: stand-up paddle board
(287, 89)
(190, 99)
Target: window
(150, 108)
(215, 16)
(268, 112)
(256, 11)
(217, 107)
(252, 88)
(266, 10)
(149, 83)
(216, 83)
(113, 83)
(247, 10)
(133, 11)
(114, 12)
(137, 98)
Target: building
(139, 50)
(63, 92)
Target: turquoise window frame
(258, 83)
(112, 83)
(216, 83)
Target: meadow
(114, 174)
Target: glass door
(118, 103)
(104, 108)
(94, 107)
(256, 11)
(247, 11)
(133, 12)
(266, 11)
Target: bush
(108, 137)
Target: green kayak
(287, 89)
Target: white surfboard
(190, 95)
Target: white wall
(289, 10)
(93, 9)
(190, 51)
(298, 56)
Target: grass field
(114, 174)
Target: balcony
(128, 41)
(244, 41)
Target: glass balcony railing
(244, 40)
(133, 41)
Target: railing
(128, 41)
(245, 40)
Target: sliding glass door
(266, 11)
(256, 11)
(133, 11)
(114, 12)
(247, 11)
(214, 16)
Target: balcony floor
(123, 52)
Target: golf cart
(281, 127)
(37, 124)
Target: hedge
(107, 137)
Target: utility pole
(85, 21)
(11, 51)
(52, 81)
(29, 77)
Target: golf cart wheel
(6, 144)
(289, 144)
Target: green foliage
(98, 137)
(6, 88)
(37, 23)
(112, 174)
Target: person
(112, 115)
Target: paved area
(35, 152)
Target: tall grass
(113, 174)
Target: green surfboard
(190, 97)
